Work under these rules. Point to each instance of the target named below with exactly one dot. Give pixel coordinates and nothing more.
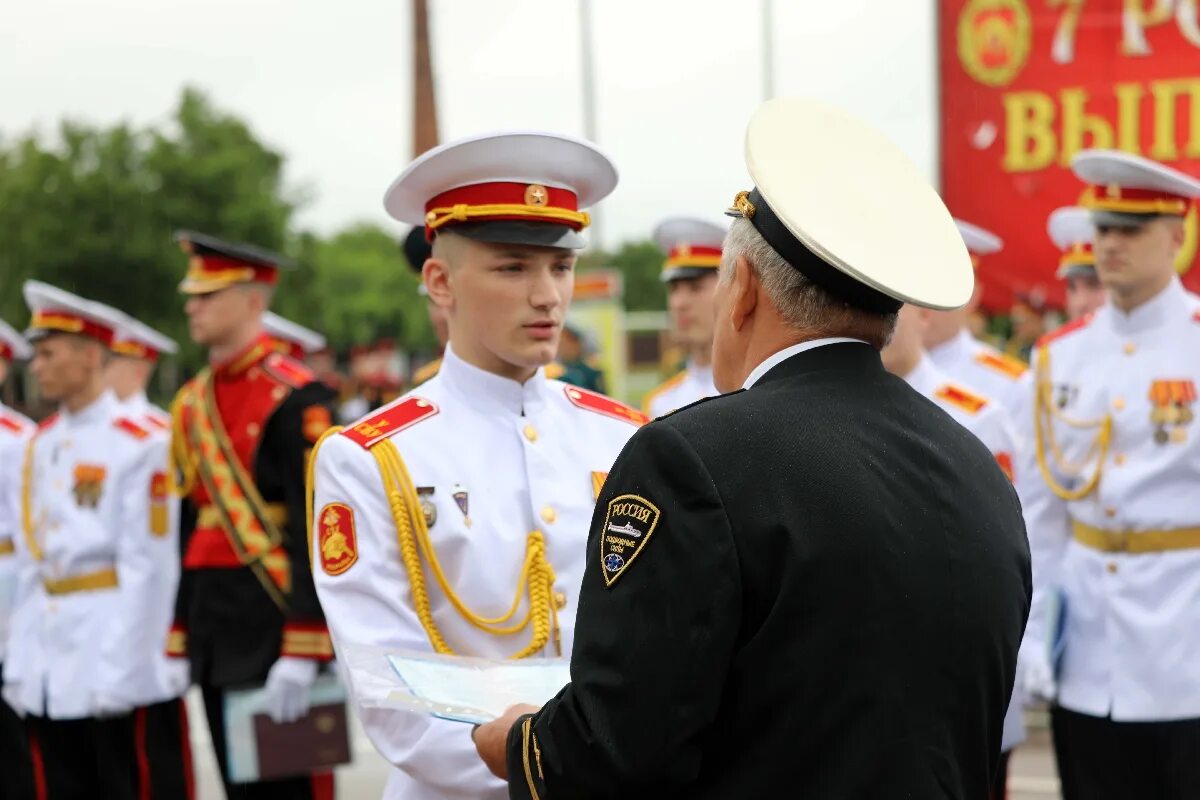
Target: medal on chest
(428, 509)
(88, 485)
(462, 500)
(1171, 410)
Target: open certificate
(475, 690)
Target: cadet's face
(1085, 294)
(506, 304)
(1127, 258)
(942, 326)
(691, 304)
(213, 317)
(63, 365)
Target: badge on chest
(1171, 410)
(88, 485)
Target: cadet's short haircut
(803, 304)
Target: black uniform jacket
(814, 588)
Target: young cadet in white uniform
(290, 337)
(693, 248)
(15, 430)
(490, 468)
(1071, 230)
(136, 349)
(1114, 510)
(905, 357)
(963, 357)
(99, 541)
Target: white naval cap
(1126, 190)
(1072, 231)
(13, 346)
(138, 340)
(979, 241)
(819, 173)
(692, 244)
(513, 187)
(58, 311)
(294, 338)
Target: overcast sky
(330, 83)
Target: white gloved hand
(287, 688)
(1035, 675)
(12, 697)
(177, 676)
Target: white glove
(1035, 675)
(177, 676)
(12, 697)
(287, 688)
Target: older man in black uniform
(247, 613)
(819, 582)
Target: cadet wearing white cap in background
(1114, 521)
(290, 337)
(89, 629)
(15, 430)
(1072, 231)
(818, 582)
(496, 467)
(136, 349)
(693, 248)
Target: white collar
(1171, 302)
(487, 391)
(955, 348)
(105, 405)
(136, 403)
(787, 352)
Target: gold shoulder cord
(183, 471)
(412, 535)
(27, 502)
(1044, 415)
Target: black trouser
(1099, 759)
(1000, 784)
(135, 756)
(305, 787)
(16, 776)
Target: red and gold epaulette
(389, 421)
(603, 404)
(1070, 327)
(131, 427)
(48, 422)
(288, 370)
(959, 397)
(1005, 364)
(12, 424)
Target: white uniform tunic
(990, 424)
(982, 367)
(1132, 631)
(496, 460)
(139, 408)
(692, 384)
(98, 502)
(15, 431)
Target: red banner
(1026, 84)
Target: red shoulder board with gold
(1012, 367)
(602, 404)
(132, 428)
(390, 420)
(961, 398)
(288, 370)
(13, 424)
(1070, 327)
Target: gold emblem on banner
(994, 39)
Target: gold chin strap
(536, 581)
(1044, 415)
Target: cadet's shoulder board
(602, 404)
(12, 424)
(959, 397)
(667, 385)
(288, 370)
(1005, 364)
(389, 420)
(131, 427)
(1070, 327)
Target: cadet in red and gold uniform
(247, 613)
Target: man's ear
(438, 282)
(745, 293)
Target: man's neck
(84, 397)
(1130, 298)
(483, 359)
(234, 344)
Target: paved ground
(1033, 775)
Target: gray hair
(802, 304)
